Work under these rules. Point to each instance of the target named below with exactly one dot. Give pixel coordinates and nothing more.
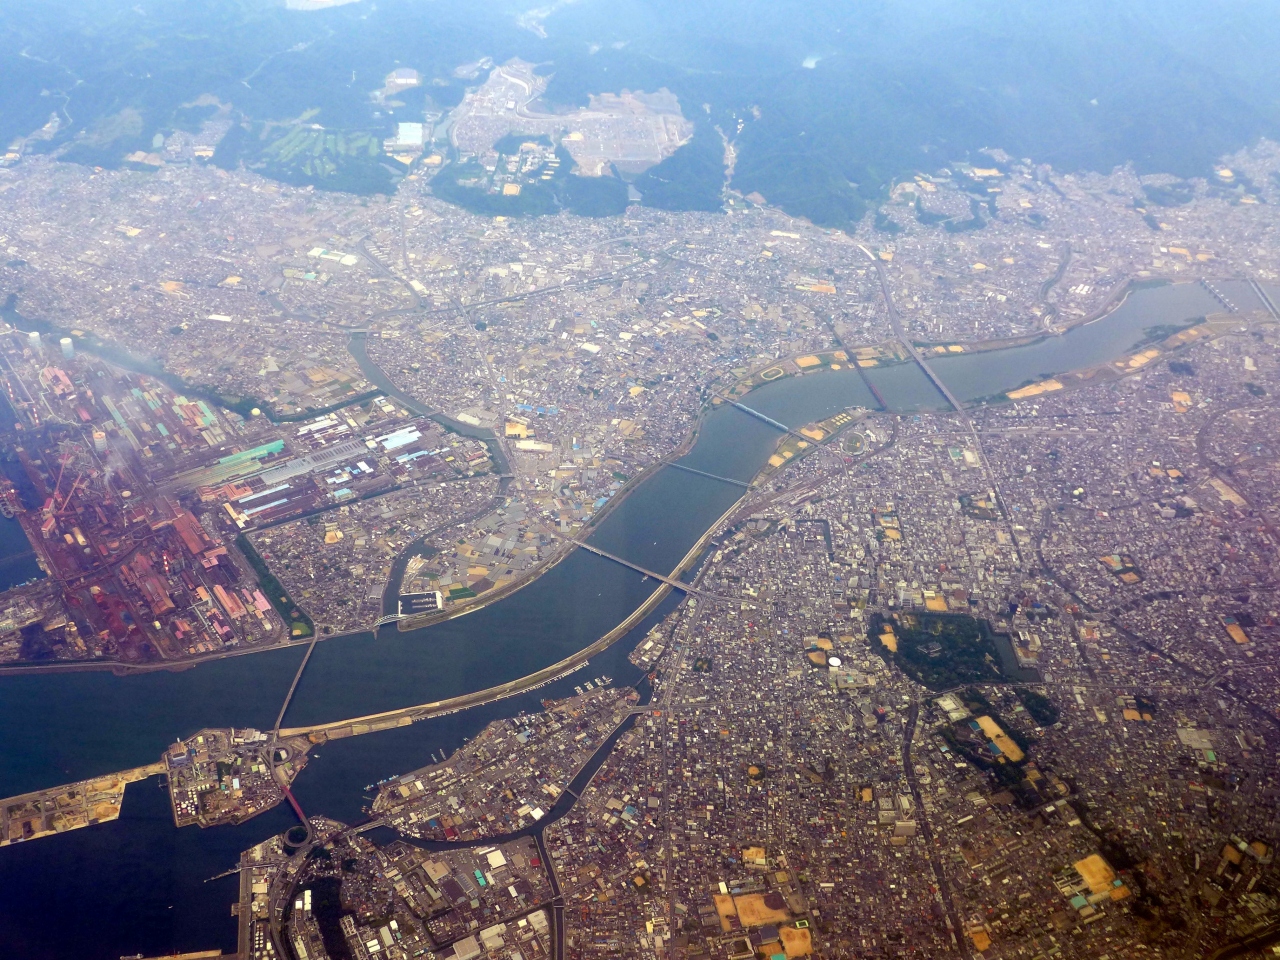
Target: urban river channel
(138, 884)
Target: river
(17, 560)
(137, 884)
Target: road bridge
(302, 817)
(895, 322)
(760, 416)
(1265, 298)
(710, 476)
(1219, 296)
(678, 584)
(294, 686)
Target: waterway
(977, 375)
(136, 885)
(17, 559)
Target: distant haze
(899, 87)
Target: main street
(939, 875)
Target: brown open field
(753, 912)
(726, 909)
(797, 943)
(1096, 872)
(1000, 739)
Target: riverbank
(406, 715)
(632, 484)
(1212, 327)
(899, 380)
(1114, 301)
(373, 372)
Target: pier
(72, 806)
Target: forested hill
(825, 102)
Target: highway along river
(137, 884)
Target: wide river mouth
(60, 727)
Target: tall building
(68, 347)
(33, 340)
